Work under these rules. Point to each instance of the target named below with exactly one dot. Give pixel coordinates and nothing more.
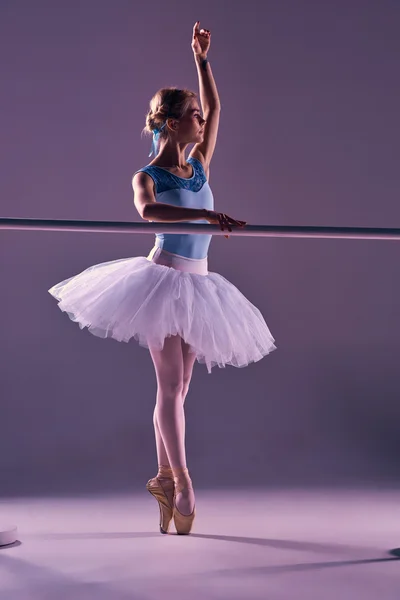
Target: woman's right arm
(151, 210)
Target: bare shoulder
(143, 180)
(144, 191)
(195, 153)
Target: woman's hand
(201, 40)
(223, 220)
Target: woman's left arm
(208, 90)
(209, 99)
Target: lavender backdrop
(309, 135)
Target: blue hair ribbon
(156, 137)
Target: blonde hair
(169, 102)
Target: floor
(272, 544)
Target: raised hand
(201, 39)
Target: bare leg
(174, 367)
(188, 363)
(162, 456)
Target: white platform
(307, 545)
(8, 534)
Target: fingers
(197, 30)
(225, 220)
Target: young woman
(169, 301)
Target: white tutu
(138, 298)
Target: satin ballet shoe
(183, 523)
(158, 486)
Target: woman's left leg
(188, 362)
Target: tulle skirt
(164, 294)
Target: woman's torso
(192, 192)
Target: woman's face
(191, 125)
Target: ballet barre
(364, 233)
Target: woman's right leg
(169, 413)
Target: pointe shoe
(158, 486)
(183, 523)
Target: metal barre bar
(365, 233)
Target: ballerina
(168, 301)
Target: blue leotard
(190, 193)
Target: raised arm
(209, 98)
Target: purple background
(309, 135)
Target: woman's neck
(172, 157)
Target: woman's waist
(178, 261)
(190, 246)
